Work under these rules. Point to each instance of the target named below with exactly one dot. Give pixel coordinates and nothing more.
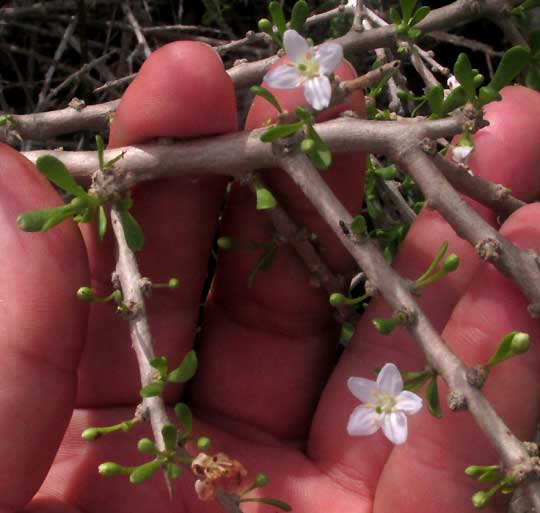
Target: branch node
(456, 401)
(532, 448)
(428, 146)
(489, 249)
(142, 412)
(409, 315)
(518, 473)
(77, 104)
(146, 285)
(371, 289)
(477, 375)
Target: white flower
(307, 67)
(386, 405)
(452, 82)
(462, 154)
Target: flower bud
(112, 469)
(480, 499)
(203, 443)
(85, 294)
(261, 480)
(307, 145)
(520, 343)
(337, 299)
(451, 263)
(265, 25)
(174, 283)
(225, 243)
(90, 434)
(146, 446)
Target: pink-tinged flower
(307, 67)
(386, 405)
(462, 154)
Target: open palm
(268, 392)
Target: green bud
(473, 470)
(520, 343)
(480, 499)
(90, 434)
(146, 446)
(307, 145)
(358, 225)
(225, 243)
(79, 203)
(337, 299)
(261, 480)
(451, 263)
(143, 472)
(203, 443)
(386, 326)
(265, 25)
(112, 469)
(85, 294)
(174, 283)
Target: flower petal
(362, 389)
(462, 154)
(283, 77)
(408, 402)
(389, 380)
(363, 421)
(329, 56)
(318, 92)
(394, 426)
(296, 47)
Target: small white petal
(362, 389)
(296, 47)
(363, 421)
(389, 380)
(452, 82)
(408, 402)
(462, 154)
(394, 426)
(329, 56)
(318, 92)
(283, 77)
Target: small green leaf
(435, 98)
(153, 389)
(57, 173)
(265, 199)
(432, 396)
(102, 222)
(347, 332)
(299, 15)
(465, 75)
(414, 33)
(267, 95)
(100, 150)
(358, 225)
(487, 95)
(184, 415)
(386, 173)
(276, 12)
(132, 231)
(534, 42)
(413, 381)
(505, 350)
(533, 78)
(280, 131)
(419, 15)
(263, 264)
(455, 99)
(170, 436)
(512, 63)
(395, 18)
(321, 157)
(186, 369)
(143, 472)
(160, 364)
(43, 220)
(407, 9)
(267, 500)
(173, 471)
(110, 163)
(377, 90)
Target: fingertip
(182, 90)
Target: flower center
(309, 67)
(385, 403)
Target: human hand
(266, 391)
